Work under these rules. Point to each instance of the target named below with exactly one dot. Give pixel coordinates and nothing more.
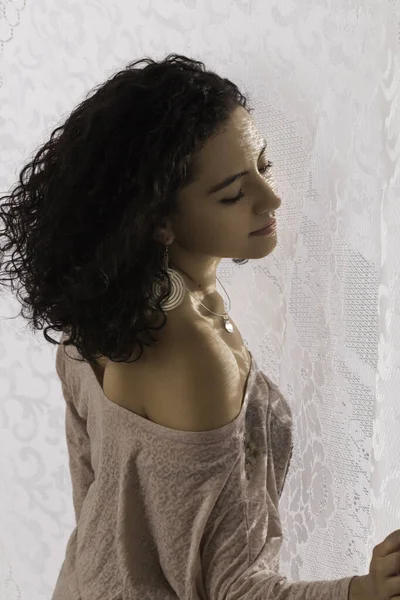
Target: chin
(264, 247)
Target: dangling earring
(177, 295)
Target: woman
(179, 445)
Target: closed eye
(240, 195)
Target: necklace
(178, 293)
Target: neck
(199, 271)
(211, 300)
(197, 288)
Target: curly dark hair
(82, 217)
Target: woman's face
(208, 227)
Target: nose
(272, 207)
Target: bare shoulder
(190, 382)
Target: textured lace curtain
(321, 314)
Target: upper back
(192, 385)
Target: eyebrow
(229, 180)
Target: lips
(270, 222)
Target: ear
(163, 235)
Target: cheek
(214, 227)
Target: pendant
(228, 325)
